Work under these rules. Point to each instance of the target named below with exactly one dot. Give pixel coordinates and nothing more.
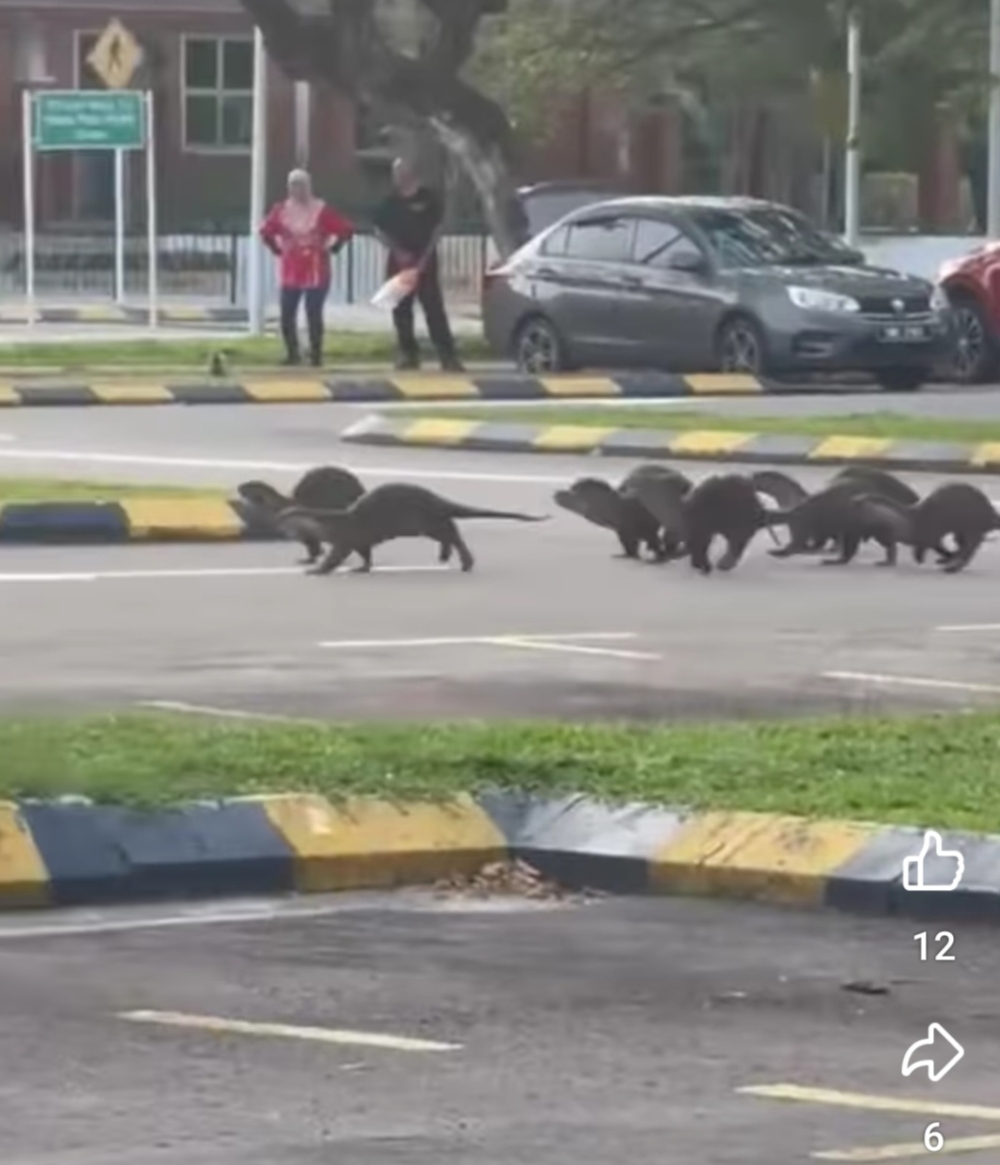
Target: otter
(879, 482)
(619, 510)
(327, 487)
(725, 505)
(394, 510)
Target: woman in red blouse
(303, 232)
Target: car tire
(740, 347)
(973, 356)
(539, 349)
(902, 379)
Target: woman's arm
(271, 231)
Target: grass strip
(941, 770)
(46, 489)
(890, 425)
(256, 352)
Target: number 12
(944, 937)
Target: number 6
(933, 1141)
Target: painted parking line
(912, 682)
(189, 573)
(222, 1026)
(870, 1102)
(559, 641)
(961, 628)
(907, 1151)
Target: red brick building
(198, 64)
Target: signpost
(90, 120)
(115, 118)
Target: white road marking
(219, 1025)
(872, 1103)
(908, 1151)
(220, 713)
(166, 462)
(970, 627)
(539, 644)
(469, 640)
(912, 682)
(193, 572)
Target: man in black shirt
(409, 224)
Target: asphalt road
(238, 627)
(607, 1031)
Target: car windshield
(769, 237)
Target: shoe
(289, 361)
(452, 364)
(407, 363)
(316, 360)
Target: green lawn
(253, 353)
(888, 424)
(47, 489)
(940, 770)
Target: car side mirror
(690, 261)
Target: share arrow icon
(939, 1043)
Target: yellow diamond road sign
(116, 56)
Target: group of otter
(661, 510)
(654, 509)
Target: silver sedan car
(702, 284)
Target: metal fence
(214, 268)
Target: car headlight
(939, 299)
(812, 299)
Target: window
(607, 240)
(770, 236)
(218, 93)
(657, 243)
(556, 243)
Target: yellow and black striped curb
(687, 445)
(108, 313)
(135, 519)
(59, 854)
(374, 389)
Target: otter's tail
(457, 512)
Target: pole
(303, 123)
(29, 206)
(852, 168)
(258, 185)
(993, 169)
(151, 231)
(119, 226)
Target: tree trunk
(486, 166)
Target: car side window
(555, 244)
(658, 242)
(607, 240)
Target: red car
(972, 284)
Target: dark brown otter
(394, 510)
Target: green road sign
(89, 120)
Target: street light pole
(993, 165)
(258, 186)
(852, 168)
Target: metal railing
(213, 268)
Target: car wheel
(973, 353)
(538, 348)
(902, 379)
(740, 347)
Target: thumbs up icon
(948, 866)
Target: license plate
(904, 333)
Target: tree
(352, 46)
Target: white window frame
(219, 93)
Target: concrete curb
(683, 445)
(107, 313)
(138, 519)
(62, 854)
(382, 389)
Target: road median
(818, 813)
(697, 437)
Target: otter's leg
(968, 545)
(849, 543)
(891, 549)
(698, 547)
(314, 549)
(736, 545)
(629, 543)
(365, 554)
(337, 556)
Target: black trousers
(315, 298)
(429, 294)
